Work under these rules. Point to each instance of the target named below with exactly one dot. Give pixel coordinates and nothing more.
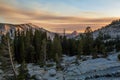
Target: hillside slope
(112, 29)
(11, 28)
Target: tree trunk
(11, 59)
(45, 55)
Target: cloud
(69, 27)
(54, 22)
(18, 15)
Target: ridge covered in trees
(35, 47)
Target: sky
(57, 15)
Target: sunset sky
(56, 15)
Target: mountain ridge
(112, 29)
(11, 28)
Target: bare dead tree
(11, 58)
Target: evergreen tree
(17, 46)
(6, 57)
(27, 41)
(21, 48)
(64, 45)
(23, 72)
(95, 53)
(98, 42)
(43, 52)
(37, 45)
(104, 52)
(29, 47)
(87, 41)
(117, 44)
(57, 50)
(31, 55)
(80, 48)
(49, 49)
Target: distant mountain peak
(74, 33)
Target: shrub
(119, 56)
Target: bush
(49, 65)
(119, 56)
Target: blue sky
(53, 14)
(107, 8)
(104, 7)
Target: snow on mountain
(112, 29)
(90, 69)
(73, 34)
(11, 28)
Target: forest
(35, 47)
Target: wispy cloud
(69, 27)
(10, 12)
(18, 15)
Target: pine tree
(37, 45)
(17, 46)
(29, 46)
(117, 44)
(57, 50)
(49, 49)
(98, 42)
(88, 41)
(64, 45)
(94, 52)
(22, 47)
(43, 52)
(6, 51)
(80, 49)
(23, 72)
(104, 52)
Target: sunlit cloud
(56, 19)
(69, 27)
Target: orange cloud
(50, 21)
(69, 27)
